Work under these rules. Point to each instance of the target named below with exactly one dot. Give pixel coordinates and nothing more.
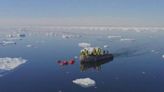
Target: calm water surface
(137, 66)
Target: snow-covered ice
(85, 82)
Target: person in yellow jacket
(98, 51)
(84, 52)
(92, 51)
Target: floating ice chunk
(50, 34)
(15, 35)
(105, 46)
(75, 57)
(29, 45)
(162, 56)
(152, 50)
(66, 36)
(60, 91)
(84, 45)
(114, 36)
(127, 39)
(85, 82)
(10, 36)
(13, 39)
(8, 63)
(143, 73)
(155, 51)
(7, 42)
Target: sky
(82, 12)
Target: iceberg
(84, 45)
(85, 82)
(7, 63)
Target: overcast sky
(82, 12)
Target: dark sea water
(137, 66)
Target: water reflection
(84, 66)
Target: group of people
(93, 51)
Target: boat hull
(96, 58)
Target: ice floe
(7, 43)
(127, 39)
(13, 39)
(51, 34)
(143, 73)
(67, 36)
(7, 63)
(84, 45)
(10, 36)
(155, 51)
(16, 35)
(105, 46)
(85, 82)
(76, 57)
(114, 36)
(152, 50)
(29, 45)
(162, 56)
